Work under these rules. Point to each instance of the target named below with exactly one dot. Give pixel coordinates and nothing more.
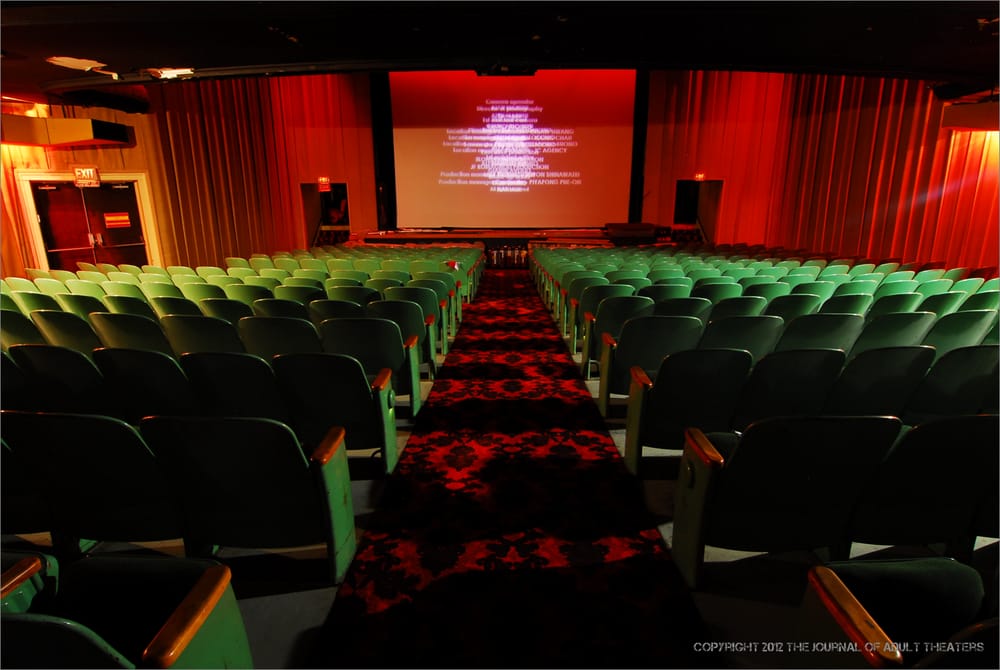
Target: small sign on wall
(86, 176)
(117, 220)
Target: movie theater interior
(440, 334)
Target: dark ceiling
(952, 45)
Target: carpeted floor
(511, 534)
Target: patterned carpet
(511, 534)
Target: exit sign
(86, 176)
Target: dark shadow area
(623, 614)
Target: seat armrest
(411, 342)
(831, 613)
(333, 440)
(429, 320)
(700, 466)
(385, 407)
(18, 574)
(187, 619)
(383, 380)
(638, 392)
(606, 362)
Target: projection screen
(552, 150)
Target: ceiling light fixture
(170, 72)
(85, 64)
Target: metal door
(95, 225)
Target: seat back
(982, 300)
(660, 292)
(66, 329)
(29, 301)
(141, 382)
(851, 303)
(879, 380)
(247, 483)
(894, 329)
(193, 333)
(756, 334)
(326, 390)
(793, 382)
(226, 309)
(268, 336)
(17, 328)
(299, 292)
(691, 306)
(681, 389)
(791, 306)
(127, 304)
(644, 341)
(100, 479)
(280, 307)
(85, 287)
(80, 304)
(165, 305)
(160, 290)
(769, 291)
(130, 331)
(931, 485)
(961, 381)
(821, 331)
(321, 310)
(375, 342)
(196, 292)
(406, 314)
(60, 379)
(821, 463)
(246, 293)
(942, 303)
(745, 305)
(233, 384)
(359, 294)
(960, 329)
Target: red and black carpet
(511, 534)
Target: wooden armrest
(17, 574)
(564, 291)
(332, 441)
(443, 304)
(589, 316)
(411, 342)
(451, 294)
(429, 320)
(607, 339)
(703, 448)
(382, 380)
(640, 377)
(171, 641)
(877, 648)
(574, 302)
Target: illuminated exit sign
(86, 176)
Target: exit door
(94, 225)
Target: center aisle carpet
(511, 534)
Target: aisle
(511, 534)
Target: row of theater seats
(643, 340)
(120, 612)
(237, 482)
(722, 390)
(808, 482)
(165, 295)
(345, 373)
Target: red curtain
(236, 151)
(851, 165)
